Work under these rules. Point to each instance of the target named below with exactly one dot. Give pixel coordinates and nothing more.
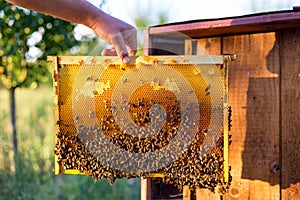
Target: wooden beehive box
(264, 93)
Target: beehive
(164, 116)
(264, 95)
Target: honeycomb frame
(66, 136)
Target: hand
(119, 34)
(112, 30)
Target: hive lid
(251, 23)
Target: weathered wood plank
(209, 46)
(254, 97)
(290, 112)
(205, 194)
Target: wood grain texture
(205, 194)
(290, 113)
(253, 95)
(209, 46)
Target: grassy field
(36, 145)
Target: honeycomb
(158, 116)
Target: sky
(184, 10)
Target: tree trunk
(12, 100)
(13, 121)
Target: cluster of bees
(140, 114)
(192, 169)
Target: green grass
(35, 124)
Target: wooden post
(145, 188)
(186, 193)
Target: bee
(124, 80)
(76, 119)
(207, 87)
(89, 78)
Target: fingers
(130, 38)
(122, 41)
(122, 36)
(118, 42)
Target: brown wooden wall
(264, 92)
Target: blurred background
(26, 94)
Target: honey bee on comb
(190, 170)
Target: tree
(26, 38)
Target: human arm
(110, 29)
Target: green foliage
(21, 32)
(36, 157)
(146, 16)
